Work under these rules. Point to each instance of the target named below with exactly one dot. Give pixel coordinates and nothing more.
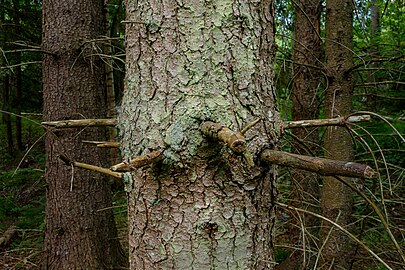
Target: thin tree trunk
(202, 207)
(371, 98)
(110, 93)
(305, 105)
(6, 89)
(6, 115)
(18, 77)
(336, 198)
(79, 235)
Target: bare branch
(105, 171)
(321, 166)
(81, 123)
(21, 64)
(371, 84)
(104, 144)
(338, 121)
(138, 162)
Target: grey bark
(188, 62)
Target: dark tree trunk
(18, 77)
(337, 198)
(202, 207)
(6, 85)
(17, 103)
(78, 235)
(7, 115)
(305, 105)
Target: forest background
(378, 56)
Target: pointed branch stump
(338, 121)
(104, 144)
(102, 170)
(234, 140)
(318, 165)
(117, 170)
(81, 123)
(138, 162)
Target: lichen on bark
(201, 208)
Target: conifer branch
(104, 144)
(138, 162)
(318, 165)
(102, 170)
(338, 121)
(81, 123)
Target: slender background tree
(336, 198)
(307, 82)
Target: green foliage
(280, 254)
(22, 198)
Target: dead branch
(138, 162)
(104, 144)
(105, 171)
(338, 121)
(235, 140)
(321, 166)
(81, 123)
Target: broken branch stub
(235, 141)
(138, 162)
(81, 123)
(338, 121)
(321, 166)
(102, 170)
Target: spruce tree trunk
(336, 198)
(202, 207)
(78, 235)
(305, 105)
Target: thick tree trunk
(78, 236)
(337, 198)
(202, 207)
(305, 105)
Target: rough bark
(336, 198)
(110, 91)
(190, 62)
(305, 105)
(77, 235)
